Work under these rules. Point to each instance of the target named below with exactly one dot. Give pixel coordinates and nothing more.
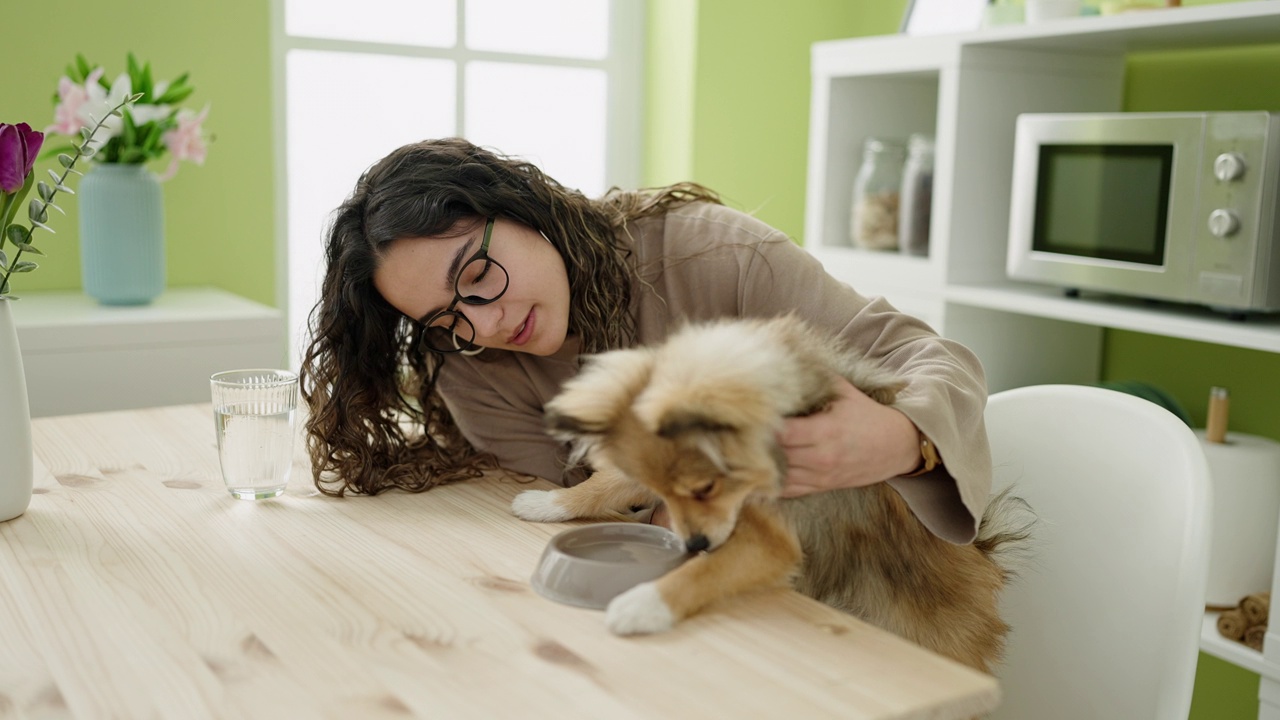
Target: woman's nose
(487, 320)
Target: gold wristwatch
(929, 457)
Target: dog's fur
(694, 423)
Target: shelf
(1236, 653)
(1230, 24)
(79, 356)
(1259, 332)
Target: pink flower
(185, 142)
(19, 145)
(72, 97)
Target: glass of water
(253, 414)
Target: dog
(694, 422)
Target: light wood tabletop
(136, 587)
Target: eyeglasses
(481, 281)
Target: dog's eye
(704, 492)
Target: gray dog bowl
(591, 565)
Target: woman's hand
(854, 442)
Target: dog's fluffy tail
(1005, 532)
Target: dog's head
(695, 421)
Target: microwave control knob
(1228, 166)
(1223, 223)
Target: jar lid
(880, 144)
(921, 143)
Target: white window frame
(623, 66)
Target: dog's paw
(539, 506)
(639, 611)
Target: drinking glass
(253, 414)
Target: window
(556, 82)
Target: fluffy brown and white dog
(694, 422)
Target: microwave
(1178, 207)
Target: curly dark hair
(375, 419)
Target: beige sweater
(703, 262)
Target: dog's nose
(697, 543)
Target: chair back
(1106, 614)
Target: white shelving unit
(80, 356)
(966, 90)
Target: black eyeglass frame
(465, 342)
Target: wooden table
(136, 587)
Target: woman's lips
(524, 332)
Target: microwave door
(1106, 207)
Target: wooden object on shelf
(1215, 429)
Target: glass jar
(873, 223)
(916, 197)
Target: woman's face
(532, 316)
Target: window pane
(433, 23)
(552, 116)
(560, 28)
(345, 112)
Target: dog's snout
(697, 543)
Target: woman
(463, 287)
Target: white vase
(15, 422)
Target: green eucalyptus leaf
(65, 189)
(36, 211)
(54, 175)
(87, 152)
(17, 235)
(37, 224)
(86, 133)
(66, 160)
(28, 247)
(23, 266)
(56, 207)
(46, 192)
(4, 260)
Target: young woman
(463, 287)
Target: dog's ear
(593, 401)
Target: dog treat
(1231, 624)
(1254, 636)
(1256, 607)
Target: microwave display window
(1103, 201)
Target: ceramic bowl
(589, 566)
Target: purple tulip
(19, 145)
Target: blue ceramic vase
(121, 234)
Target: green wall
(728, 103)
(742, 128)
(219, 218)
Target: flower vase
(15, 422)
(121, 234)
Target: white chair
(1106, 614)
